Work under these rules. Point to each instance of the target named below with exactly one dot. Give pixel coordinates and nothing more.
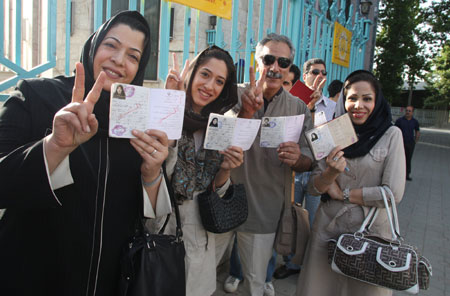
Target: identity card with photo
(224, 131)
(277, 130)
(143, 108)
(337, 132)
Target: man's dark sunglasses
(269, 59)
(317, 71)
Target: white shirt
(327, 106)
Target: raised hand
(336, 162)
(174, 79)
(152, 145)
(252, 97)
(233, 158)
(317, 94)
(75, 123)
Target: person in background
(72, 194)
(322, 110)
(351, 178)
(210, 85)
(292, 77)
(334, 89)
(411, 134)
(266, 170)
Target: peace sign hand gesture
(317, 94)
(174, 79)
(75, 123)
(252, 97)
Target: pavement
(424, 215)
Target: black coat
(67, 241)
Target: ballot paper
(146, 108)
(223, 131)
(277, 130)
(337, 132)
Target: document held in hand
(300, 90)
(337, 132)
(142, 108)
(277, 130)
(223, 131)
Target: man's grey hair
(307, 65)
(277, 38)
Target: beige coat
(383, 165)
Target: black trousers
(409, 150)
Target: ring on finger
(154, 151)
(335, 158)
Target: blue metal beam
(283, 29)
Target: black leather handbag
(222, 214)
(153, 264)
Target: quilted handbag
(388, 263)
(222, 214)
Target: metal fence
(426, 117)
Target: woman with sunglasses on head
(72, 194)
(351, 178)
(210, 85)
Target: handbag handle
(179, 232)
(391, 213)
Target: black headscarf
(101, 109)
(224, 102)
(375, 126)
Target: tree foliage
(399, 53)
(439, 80)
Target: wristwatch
(346, 195)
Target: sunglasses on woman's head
(269, 59)
(317, 71)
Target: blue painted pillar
(98, 14)
(18, 54)
(197, 29)
(68, 29)
(248, 38)
(132, 5)
(187, 33)
(164, 40)
(234, 31)
(262, 5)
(283, 29)
(274, 15)
(219, 33)
(108, 9)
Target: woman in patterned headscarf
(210, 85)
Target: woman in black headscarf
(351, 178)
(72, 194)
(210, 85)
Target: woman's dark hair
(134, 25)
(334, 87)
(362, 76)
(228, 97)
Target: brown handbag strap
(289, 186)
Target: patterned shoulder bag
(372, 259)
